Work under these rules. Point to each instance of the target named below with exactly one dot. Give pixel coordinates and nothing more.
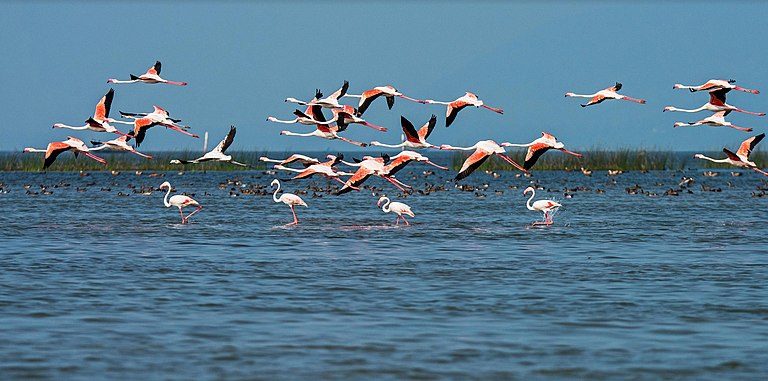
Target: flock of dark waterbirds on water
(385, 167)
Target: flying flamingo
(347, 115)
(402, 159)
(716, 84)
(468, 99)
(607, 93)
(483, 150)
(306, 161)
(301, 118)
(741, 157)
(398, 208)
(323, 131)
(151, 76)
(331, 101)
(716, 103)
(179, 201)
(545, 206)
(100, 120)
(289, 199)
(413, 138)
(716, 120)
(388, 92)
(55, 149)
(537, 148)
(325, 169)
(370, 166)
(218, 153)
(118, 144)
(158, 117)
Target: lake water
(94, 285)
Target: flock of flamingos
(384, 167)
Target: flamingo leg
(739, 88)
(412, 99)
(745, 129)
(749, 112)
(510, 161)
(406, 221)
(183, 220)
(94, 157)
(141, 154)
(199, 208)
(758, 170)
(295, 219)
(350, 141)
(435, 165)
(179, 129)
(626, 98)
(375, 127)
(494, 109)
(397, 221)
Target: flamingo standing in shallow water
(545, 206)
(483, 150)
(388, 92)
(607, 93)
(180, 201)
(716, 103)
(716, 120)
(413, 138)
(119, 144)
(537, 148)
(741, 157)
(151, 76)
(100, 120)
(218, 153)
(398, 208)
(716, 84)
(55, 149)
(289, 199)
(468, 99)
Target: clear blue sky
(242, 59)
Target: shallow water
(96, 285)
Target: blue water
(94, 285)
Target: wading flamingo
(119, 144)
(180, 201)
(331, 101)
(151, 76)
(607, 93)
(55, 149)
(537, 148)
(100, 120)
(716, 84)
(413, 138)
(218, 153)
(483, 150)
(395, 207)
(545, 206)
(388, 92)
(716, 103)
(468, 99)
(741, 157)
(289, 199)
(715, 120)
(347, 115)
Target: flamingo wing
(396, 165)
(748, 145)
(453, 110)
(409, 130)
(305, 173)
(717, 97)
(155, 69)
(227, 141)
(53, 151)
(534, 153)
(732, 155)
(595, 100)
(102, 108)
(366, 99)
(140, 127)
(340, 92)
(427, 128)
(615, 87)
(472, 163)
(390, 101)
(356, 180)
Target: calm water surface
(94, 285)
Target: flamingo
(402, 159)
(716, 120)
(331, 101)
(325, 168)
(716, 84)
(218, 153)
(716, 103)
(537, 148)
(398, 208)
(347, 115)
(607, 93)
(388, 92)
(468, 99)
(100, 120)
(118, 144)
(289, 199)
(413, 138)
(545, 206)
(304, 160)
(180, 201)
(55, 149)
(369, 166)
(483, 150)
(158, 117)
(151, 76)
(323, 131)
(741, 157)
(301, 118)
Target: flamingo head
(679, 124)
(529, 189)
(569, 94)
(271, 119)
(698, 156)
(29, 149)
(112, 80)
(381, 200)
(174, 161)
(668, 108)
(283, 132)
(165, 185)
(677, 86)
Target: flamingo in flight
(741, 157)
(306, 161)
(483, 150)
(218, 153)
(158, 117)
(325, 169)
(151, 76)
(331, 101)
(716, 103)
(537, 148)
(301, 118)
(118, 144)
(347, 115)
(180, 201)
(388, 92)
(398, 208)
(607, 93)
(289, 199)
(716, 84)
(545, 206)
(370, 166)
(55, 149)
(468, 99)
(402, 159)
(100, 120)
(323, 131)
(716, 120)
(416, 139)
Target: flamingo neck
(62, 125)
(528, 204)
(715, 160)
(274, 195)
(581, 95)
(385, 207)
(165, 200)
(387, 145)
